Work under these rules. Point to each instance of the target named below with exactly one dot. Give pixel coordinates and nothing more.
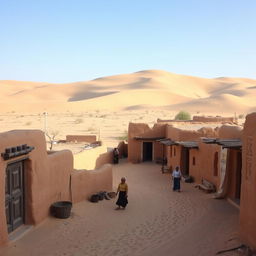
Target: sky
(65, 41)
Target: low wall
(49, 186)
(92, 158)
(81, 138)
(217, 119)
(84, 183)
(123, 149)
(46, 176)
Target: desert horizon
(106, 105)
(148, 89)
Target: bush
(183, 115)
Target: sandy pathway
(157, 221)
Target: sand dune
(143, 89)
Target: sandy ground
(157, 221)
(109, 126)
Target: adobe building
(32, 179)
(182, 143)
(219, 160)
(248, 188)
(212, 154)
(143, 142)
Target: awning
(230, 143)
(225, 143)
(167, 142)
(188, 144)
(209, 140)
(147, 138)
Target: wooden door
(184, 161)
(14, 195)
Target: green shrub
(183, 115)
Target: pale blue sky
(64, 41)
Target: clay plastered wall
(205, 159)
(85, 183)
(230, 132)
(81, 138)
(158, 130)
(158, 150)
(213, 119)
(248, 189)
(93, 158)
(195, 169)
(45, 176)
(173, 157)
(172, 133)
(178, 134)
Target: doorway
(14, 195)
(147, 151)
(184, 161)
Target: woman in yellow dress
(123, 194)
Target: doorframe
(24, 191)
(153, 150)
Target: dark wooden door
(14, 195)
(147, 151)
(184, 161)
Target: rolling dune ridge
(140, 90)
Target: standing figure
(123, 194)
(176, 176)
(116, 155)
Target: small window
(215, 164)
(171, 151)
(194, 160)
(174, 151)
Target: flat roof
(147, 138)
